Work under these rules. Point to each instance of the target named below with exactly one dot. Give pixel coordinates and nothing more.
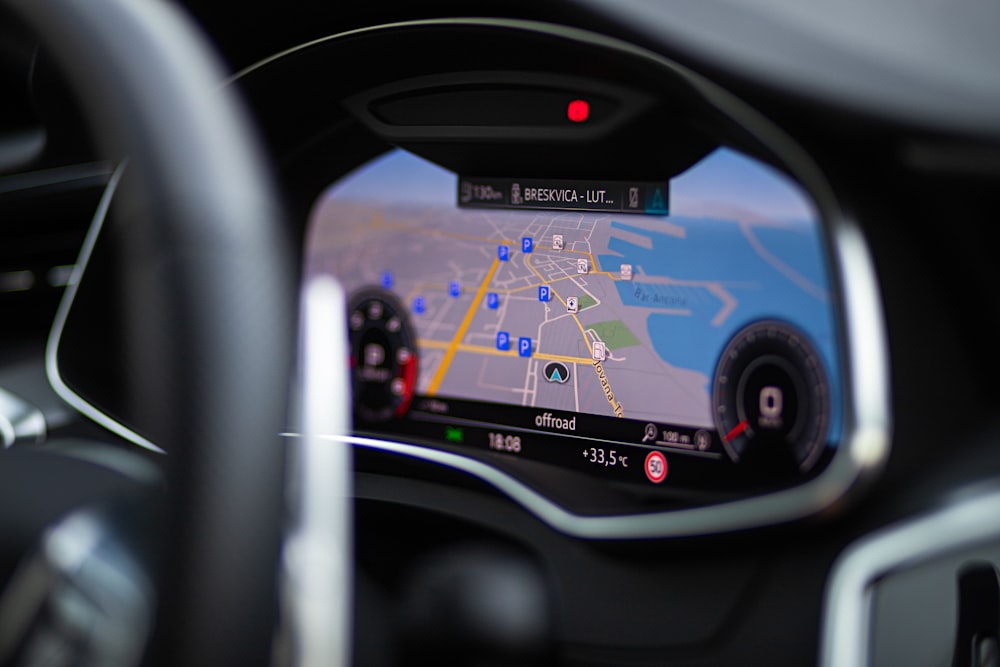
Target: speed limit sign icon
(656, 467)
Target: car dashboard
(671, 349)
(619, 313)
(620, 302)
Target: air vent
(44, 217)
(22, 138)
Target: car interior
(582, 332)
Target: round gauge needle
(737, 430)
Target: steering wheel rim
(209, 307)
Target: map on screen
(590, 312)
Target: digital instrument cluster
(676, 335)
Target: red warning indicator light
(578, 111)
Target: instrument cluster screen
(680, 332)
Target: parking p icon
(524, 347)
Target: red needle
(739, 428)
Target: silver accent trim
(846, 619)
(20, 421)
(88, 171)
(864, 447)
(80, 588)
(317, 581)
(76, 401)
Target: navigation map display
(581, 317)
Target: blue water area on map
(717, 251)
(797, 248)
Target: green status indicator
(452, 434)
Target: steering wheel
(211, 315)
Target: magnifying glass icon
(650, 433)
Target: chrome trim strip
(318, 549)
(19, 420)
(967, 523)
(697, 521)
(864, 352)
(72, 175)
(76, 401)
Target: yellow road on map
(460, 334)
(455, 345)
(492, 351)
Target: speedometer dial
(383, 355)
(771, 398)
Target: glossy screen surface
(586, 314)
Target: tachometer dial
(771, 398)
(383, 355)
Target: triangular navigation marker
(658, 200)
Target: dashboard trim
(850, 589)
(63, 390)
